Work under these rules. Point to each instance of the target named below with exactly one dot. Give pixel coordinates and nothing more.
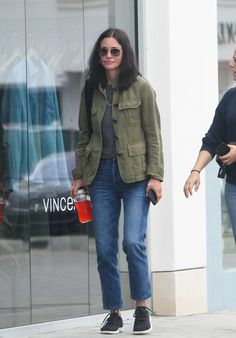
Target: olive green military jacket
(136, 123)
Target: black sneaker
(112, 323)
(142, 323)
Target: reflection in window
(43, 64)
(15, 303)
(31, 123)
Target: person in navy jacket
(222, 129)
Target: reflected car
(41, 205)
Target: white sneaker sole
(112, 332)
(143, 332)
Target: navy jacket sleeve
(222, 128)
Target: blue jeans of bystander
(107, 190)
(230, 199)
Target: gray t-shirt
(108, 136)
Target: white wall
(179, 58)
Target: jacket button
(119, 154)
(116, 137)
(114, 120)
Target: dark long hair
(128, 67)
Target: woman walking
(119, 158)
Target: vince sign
(58, 204)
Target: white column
(178, 54)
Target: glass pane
(14, 224)
(59, 243)
(226, 47)
(39, 105)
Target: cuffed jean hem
(137, 299)
(111, 308)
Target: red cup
(84, 210)
(83, 205)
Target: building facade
(48, 262)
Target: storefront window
(226, 47)
(48, 262)
(15, 302)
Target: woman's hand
(155, 185)
(230, 157)
(192, 181)
(76, 185)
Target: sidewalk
(211, 325)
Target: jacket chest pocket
(130, 111)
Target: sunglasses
(113, 51)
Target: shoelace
(141, 307)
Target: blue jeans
(107, 190)
(230, 199)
